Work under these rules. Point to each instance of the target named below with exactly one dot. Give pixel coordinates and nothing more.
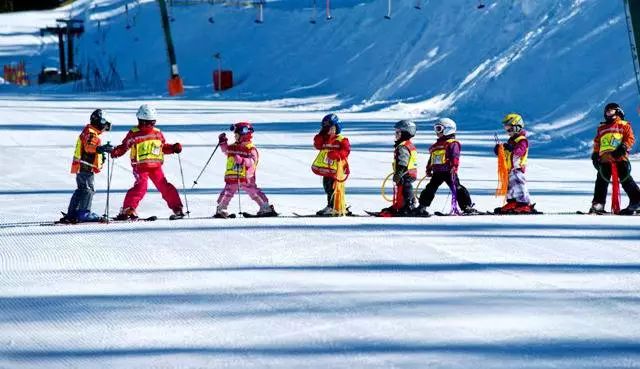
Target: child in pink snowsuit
(242, 160)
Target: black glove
(177, 148)
(222, 138)
(595, 160)
(104, 148)
(619, 151)
(507, 146)
(495, 149)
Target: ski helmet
(513, 122)
(407, 126)
(147, 112)
(446, 126)
(99, 120)
(244, 129)
(331, 120)
(618, 111)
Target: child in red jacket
(148, 148)
(333, 147)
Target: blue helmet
(331, 120)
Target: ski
(462, 214)
(381, 214)
(607, 213)
(249, 215)
(297, 215)
(230, 216)
(152, 218)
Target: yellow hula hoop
(384, 195)
(416, 194)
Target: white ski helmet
(147, 112)
(406, 125)
(446, 126)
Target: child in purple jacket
(444, 158)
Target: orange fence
(16, 74)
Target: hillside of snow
(558, 290)
(556, 62)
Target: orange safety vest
(238, 172)
(85, 156)
(412, 166)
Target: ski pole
(109, 177)
(495, 137)
(195, 182)
(184, 188)
(239, 202)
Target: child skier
(614, 139)
(405, 170)
(148, 148)
(87, 160)
(242, 162)
(333, 147)
(444, 160)
(516, 151)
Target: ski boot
(267, 210)
(597, 208)
(86, 216)
(421, 211)
(326, 212)
(523, 208)
(221, 213)
(633, 208)
(177, 214)
(67, 219)
(506, 208)
(469, 210)
(127, 214)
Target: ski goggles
(242, 130)
(438, 128)
(509, 128)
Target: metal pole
(167, 36)
(632, 44)
(184, 188)
(63, 64)
(205, 166)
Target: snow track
(320, 292)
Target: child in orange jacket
(614, 139)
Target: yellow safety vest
(610, 140)
(438, 152)
(412, 166)
(147, 148)
(509, 155)
(322, 165)
(234, 171)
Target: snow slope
(556, 62)
(491, 292)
